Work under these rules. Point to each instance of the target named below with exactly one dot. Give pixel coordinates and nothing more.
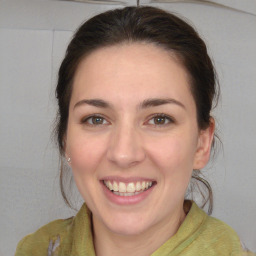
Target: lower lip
(126, 200)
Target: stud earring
(69, 160)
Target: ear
(203, 151)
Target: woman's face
(133, 137)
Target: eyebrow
(93, 102)
(154, 102)
(158, 102)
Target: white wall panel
(34, 36)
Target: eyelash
(161, 115)
(86, 119)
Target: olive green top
(198, 235)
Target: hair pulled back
(139, 24)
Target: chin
(128, 225)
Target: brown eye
(95, 120)
(160, 120)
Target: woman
(135, 92)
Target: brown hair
(140, 24)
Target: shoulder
(215, 225)
(60, 237)
(46, 238)
(226, 238)
(211, 235)
(222, 239)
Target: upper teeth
(130, 187)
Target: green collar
(189, 230)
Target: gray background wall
(33, 38)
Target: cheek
(85, 152)
(172, 152)
(175, 164)
(173, 158)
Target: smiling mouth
(128, 189)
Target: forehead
(128, 70)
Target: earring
(69, 160)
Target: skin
(128, 143)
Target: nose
(125, 147)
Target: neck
(108, 243)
